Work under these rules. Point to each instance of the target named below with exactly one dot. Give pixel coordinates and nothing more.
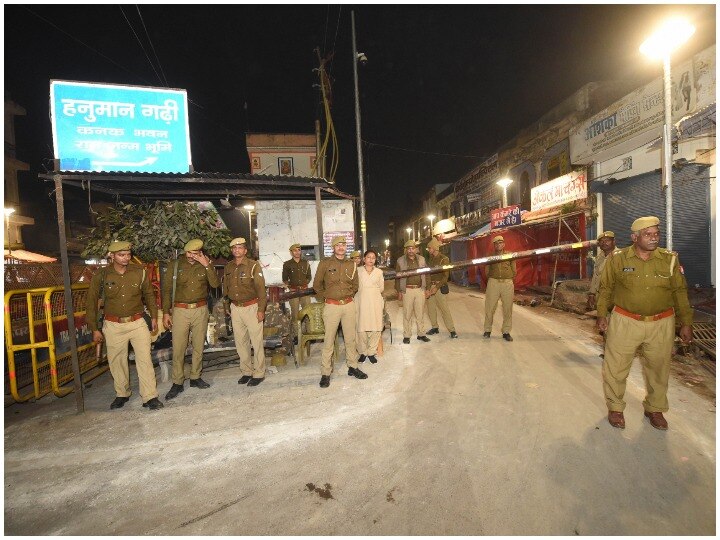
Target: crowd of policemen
(642, 286)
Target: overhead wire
(141, 45)
(152, 46)
(371, 144)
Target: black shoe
(433, 331)
(244, 379)
(362, 358)
(154, 404)
(372, 359)
(507, 337)
(355, 372)
(118, 402)
(175, 389)
(453, 334)
(324, 381)
(424, 338)
(199, 383)
(406, 341)
(486, 335)
(255, 381)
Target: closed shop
(625, 201)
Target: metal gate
(625, 201)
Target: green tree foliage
(158, 230)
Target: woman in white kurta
(370, 305)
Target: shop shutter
(629, 199)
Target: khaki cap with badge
(498, 239)
(410, 243)
(119, 245)
(644, 222)
(434, 244)
(606, 234)
(237, 241)
(295, 246)
(355, 254)
(338, 240)
(193, 245)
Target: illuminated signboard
(104, 127)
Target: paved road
(453, 437)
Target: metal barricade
(37, 342)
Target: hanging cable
(152, 46)
(141, 45)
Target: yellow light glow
(667, 38)
(504, 182)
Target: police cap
(498, 239)
(193, 245)
(644, 222)
(410, 243)
(119, 245)
(237, 241)
(433, 244)
(606, 234)
(295, 246)
(339, 240)
(355, 254)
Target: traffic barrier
(37, 342)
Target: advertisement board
(478, 177)
(565, 189)
(642, 113)
(505, 217)
(104, 127)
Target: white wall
(283, 223)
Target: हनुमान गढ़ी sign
(105, 127)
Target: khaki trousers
(247, 329)
(438, 302)
(333, 316)
(413, 305)
(503, 290)
(117, 337)
(367, 342)
(296, 304)
(624, 335)
(192, 322)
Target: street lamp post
(356, 57)
(504, 183)
(8, 212)
(409, 231)
(249, 208)
(661, 45)
(431, 217)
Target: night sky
(440, 80)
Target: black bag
(445, 289)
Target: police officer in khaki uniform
(336, 282)
(437, 300)
(647, 286)
(356, 256)
(184, 295)
(606, 243)
(125, 286)
(500, 286)
(244, 284)
(296, 275)
(412, 291)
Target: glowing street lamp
(387, 243)
(8, 212)
(431, 217)
(661, 45)
(409, 230)
(504, 183)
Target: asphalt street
(453, 437)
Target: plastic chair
(310, 327)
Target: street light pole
(249, 208)
(8, 212)
(431, 217)
(504, 183)
(661, 44)
(363, 225)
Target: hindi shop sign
(505, 217)
(104, 127)
(565, 189)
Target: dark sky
(440, 80)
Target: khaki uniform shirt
(296, 274)
(440, 278)
(644, 287)
(502, 270)
(600, 261)
(244, 282)
(191, 285)
(411, 265)
(336, 279)
(124, 294)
